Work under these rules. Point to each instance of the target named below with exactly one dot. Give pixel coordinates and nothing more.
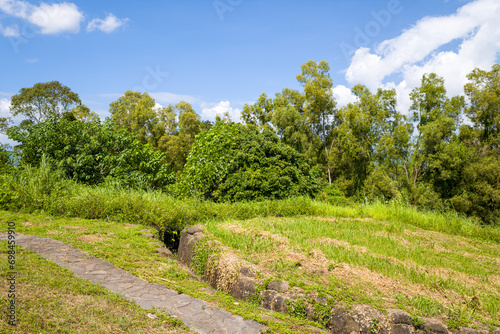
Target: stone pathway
(194, 312)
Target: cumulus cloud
(343, 95)
(418, 50)
(108, 25)
(49, 18)
(211, 110)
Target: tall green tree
(179, 136)
(43, 101)
(357, 138)
(136, 113)
(289, 119)
(259, 113)
(319, 107)
(483, 91)
(430, 167)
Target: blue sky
(221, 54)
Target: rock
(273, 301)
(149, 235)
(370, 319)
(399, 317)
(496, 330)
(267, 298)
(243, 288)
(280, 286)
(402, 329)
(342, 322)
(189, 237)
(194, 229)
(279, 304)
(434, 326)
(247, 272)
(164, 252)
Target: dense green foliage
(441, 154)
(44, 100)
(445, 156)
(90, 152)
(45, 189)
(232, 162)
(170, 129)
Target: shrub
(333, 195)
(90, 152)
(233, 162)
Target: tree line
(443, 153)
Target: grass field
(384, 254)
(382, 263)
(51, 299)
(123, 245)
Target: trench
(170, 237)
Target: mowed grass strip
(383, 263)
(50, 299)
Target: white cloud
(49, 18)
(343, 95)
(211, 110)
(12, 31)
(417, 51)
(108, 25)
(32, 60)
(4, 108)
(4, 139)
(167, 98)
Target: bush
(92, 151)
(333, 195)
(232, 162)
(33, 188)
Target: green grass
(439, 252)
(445, 271)
(124, 246)
(38, 191)
(51, 299)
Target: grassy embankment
(432, 264)
(387, 264)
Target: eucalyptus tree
(136, 113)
(319, 108)
(362, 125)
